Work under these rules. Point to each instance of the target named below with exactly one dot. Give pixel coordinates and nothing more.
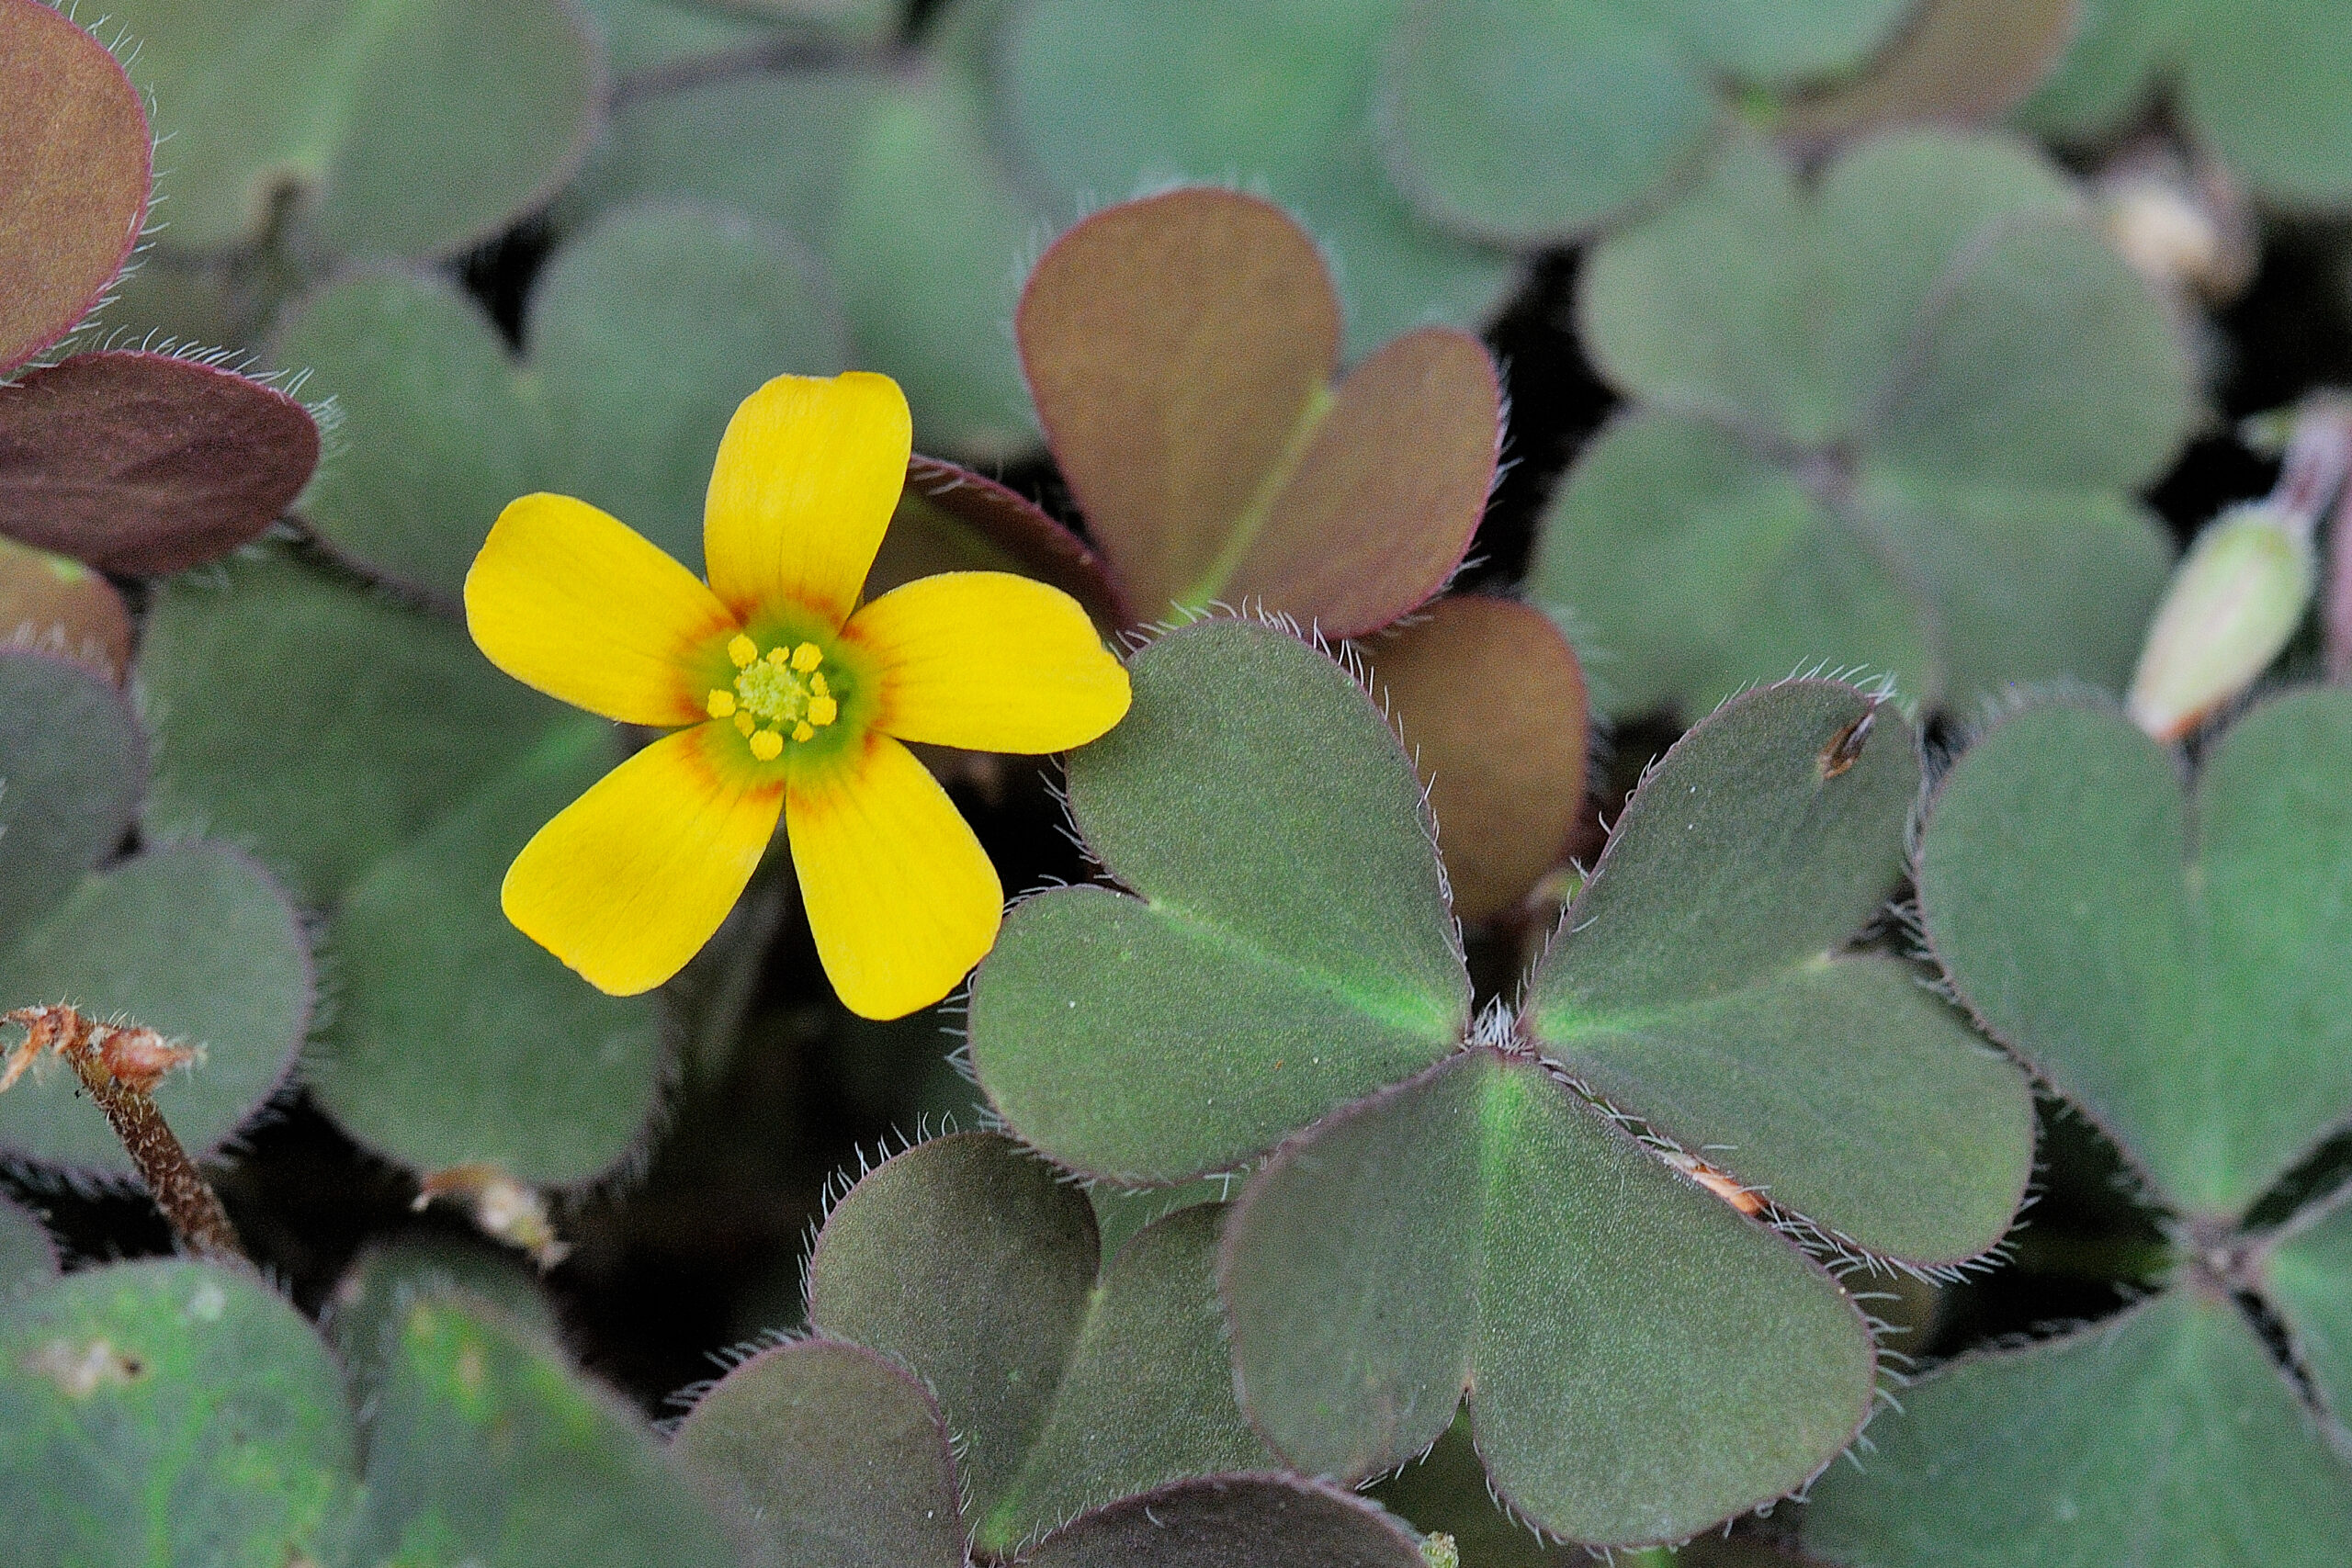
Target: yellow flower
(787, 698)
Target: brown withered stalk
(119, 1064)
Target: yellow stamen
(780, 695)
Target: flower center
(778, 696)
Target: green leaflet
(1101, 97)
(169, 1413)
(2256, 82)
(484, 1446)
(1528, 120)
(2164, 1435)
(1290, 949)
(1642, 1360)
(403, 127)
(2176, 963)
(1692, 982)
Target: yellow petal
(901, 897)
(628, 881)
(805, 482)
(990, 661)
(574, 602)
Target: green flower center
(779, 696)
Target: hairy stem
(118, 1067)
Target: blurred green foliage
(1365, 1082)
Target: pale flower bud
(2233, 603)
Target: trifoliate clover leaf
(1286, 954)
(1893, 421)
(2178, 961)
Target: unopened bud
(2233, 603)
(1439, 1552)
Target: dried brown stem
(120, 1067)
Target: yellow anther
(800, 731)
(817, 688)
(767, 745)
(823, 710)
(779, 656)
(721, 703)
(744, 723)
(743, 650)
(804, 658)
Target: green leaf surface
(1694, 982)
(370, 752)
(1183, 351)
(1104, 96)
(2175, 965)
(71, 765)
(194, 940)
(2255, 81)
(971, 1262)
(1644, 1361)
(485, 1447)
(823, 1452)
(74, 196)
(2308, 1276)
(169, 1415)
(2166, 1436)
(1889, 421)
(552, 1080)
(641, 337)
(889, 177)
(1528, 120)
(401, 127)
(1234, 1521)
(28, 1254)
(644, 35)
(365, 1314)
(324, 723)
(1289, 948)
